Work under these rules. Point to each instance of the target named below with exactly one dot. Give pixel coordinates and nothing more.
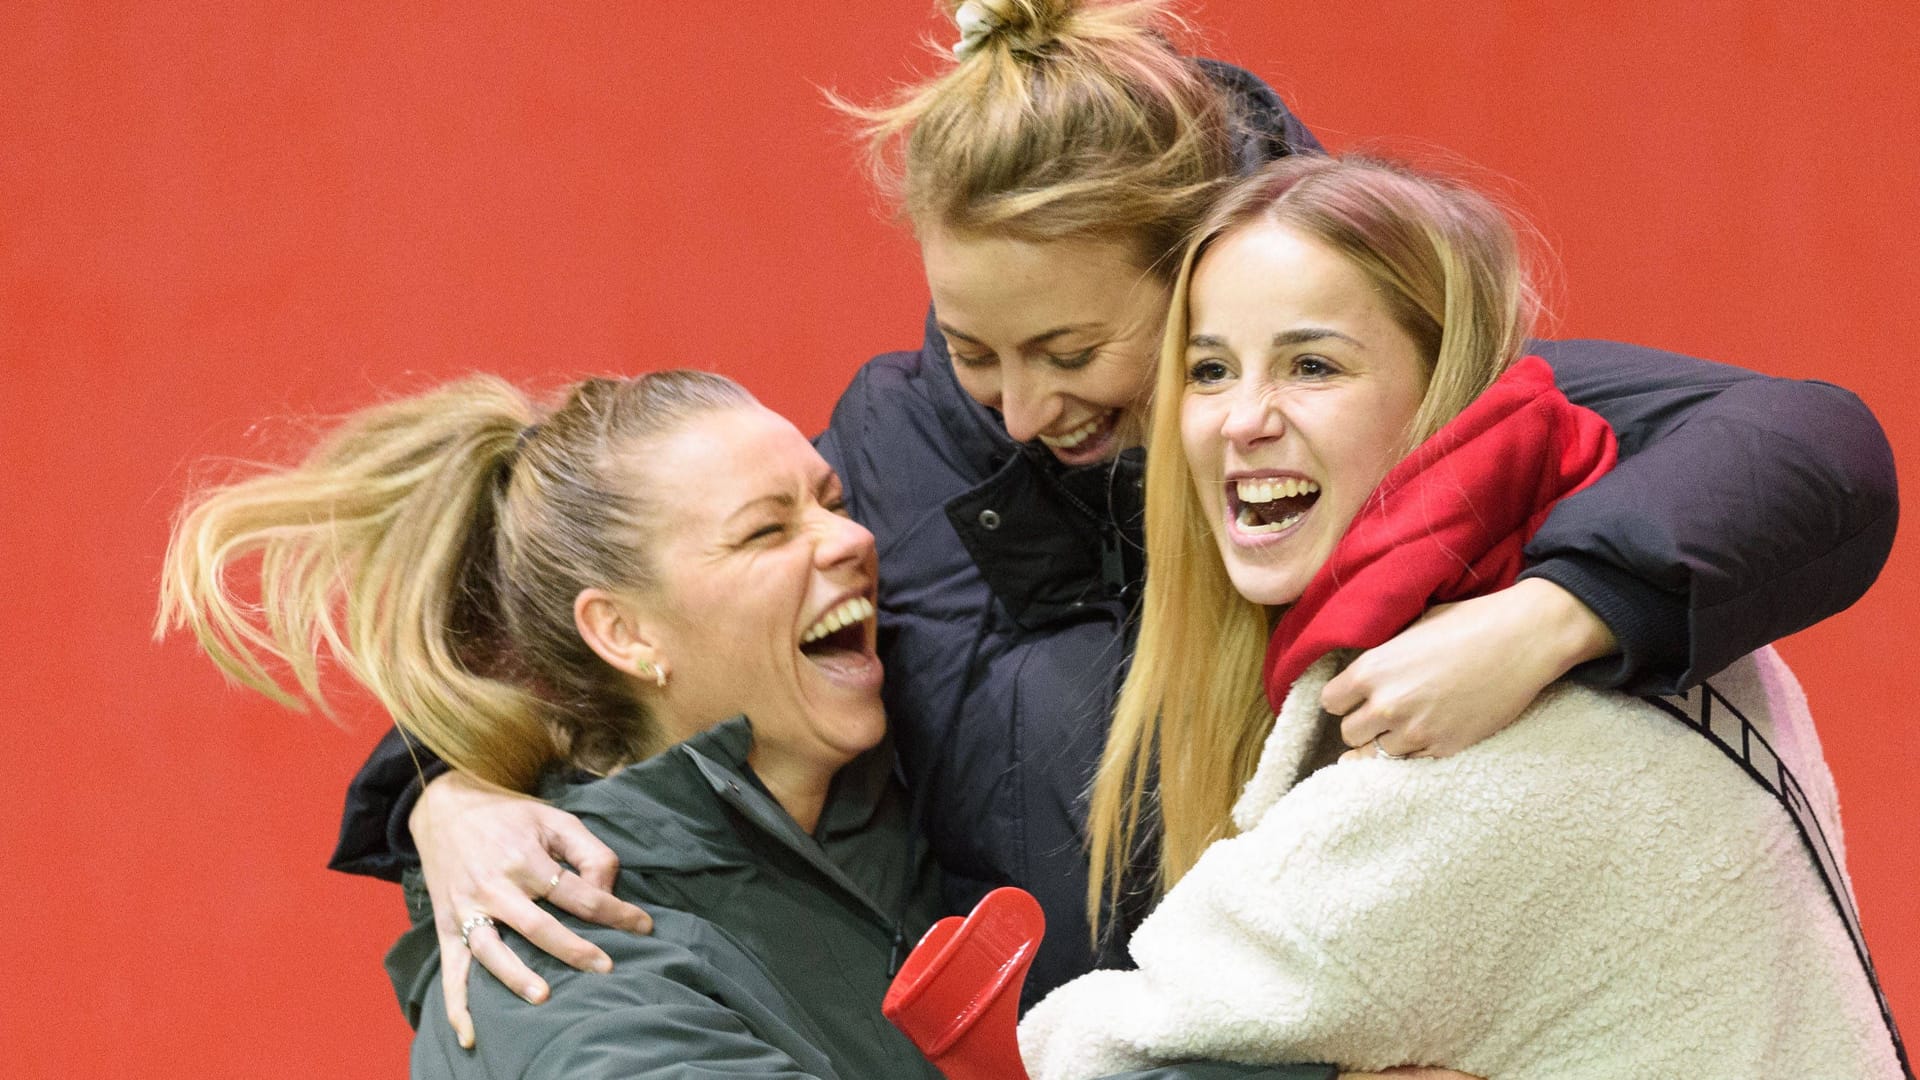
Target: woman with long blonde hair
(1346, 434)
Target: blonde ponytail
(432, 547)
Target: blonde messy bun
(1068, 119)
(1015, 25)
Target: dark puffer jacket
(1744, 508)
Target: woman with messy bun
(1051, 172)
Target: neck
(800, 787)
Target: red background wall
(212, 214)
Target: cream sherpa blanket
(1595, 892)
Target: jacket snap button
(989, 520)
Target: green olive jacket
(770, 951)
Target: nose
(842, 541)
(1027, 404)
(1251, 418)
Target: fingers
(570, 842)
(547, 934)
(1372, 730)
(1375, 726)
(573, 893)
(454, 964)
(1361, 702)
(1372, 717)
(1375, 749)
(483, 941)
(1365, 724)
(1345, 691)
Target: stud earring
(650, 670)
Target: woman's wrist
(1570, 633)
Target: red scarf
(1448, 522)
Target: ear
(612, 626)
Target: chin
(869, 723)
(851, 726)
(1265, 585)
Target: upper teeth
(1265, 491)
(841, 615)
(1075, 437)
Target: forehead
(1264, 277)
(987, 281)
(718, 460)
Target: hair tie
(526, 435)
(976, 24)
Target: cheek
(1201, 440)
(1366, 458)
(1119, 380)
(739, 620)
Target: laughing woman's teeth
(842, 615)
(1075, 437)
(1259, 492)
(1265, 491)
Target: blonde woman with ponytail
(1051, 169)
(647, 604)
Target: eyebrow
(1285, 338)
(1037, 339)
(826, 485)
(781, 501)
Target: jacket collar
(657, 814)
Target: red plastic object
(958, 995)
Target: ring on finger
(1380, 750)
(471, 923)
(552, 883)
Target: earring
(650, 670)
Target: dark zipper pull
(1113, 568)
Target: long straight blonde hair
(1192, 716)
(432, 547)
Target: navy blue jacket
(1744, 508)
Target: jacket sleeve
(1744, 508)
(374, 840)
(683, 1003)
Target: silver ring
(1380, 750)
(467, 926)
(552, 883)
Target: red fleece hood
(1447, 523)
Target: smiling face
(1059, 336)
(1300, 389)
(765, 595)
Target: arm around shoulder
(1744, 508)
